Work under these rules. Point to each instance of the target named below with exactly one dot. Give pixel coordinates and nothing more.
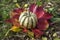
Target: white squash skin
(28, 18)
(22, 14)
(34, 22)
(21, 21)
(30, 23)
(25, 22)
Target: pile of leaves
(48, 20)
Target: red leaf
(37, 32)
(47, 15)
(16, 17)
(32, 6)
(42, 24)
(18, 10)
(25, 30)
(38, 10)
(9, 20)
(16, 23)
(13, 21)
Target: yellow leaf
(17, 5)
(26, 5)
(30, 34)
(16, 29)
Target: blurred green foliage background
(7, 5)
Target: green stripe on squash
(28, 19)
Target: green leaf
(56, 38)
(44, 38)
(51, 9)
(4, 15)
(55, 20)
(38, 3)
(14, 0)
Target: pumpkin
(28, 19)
